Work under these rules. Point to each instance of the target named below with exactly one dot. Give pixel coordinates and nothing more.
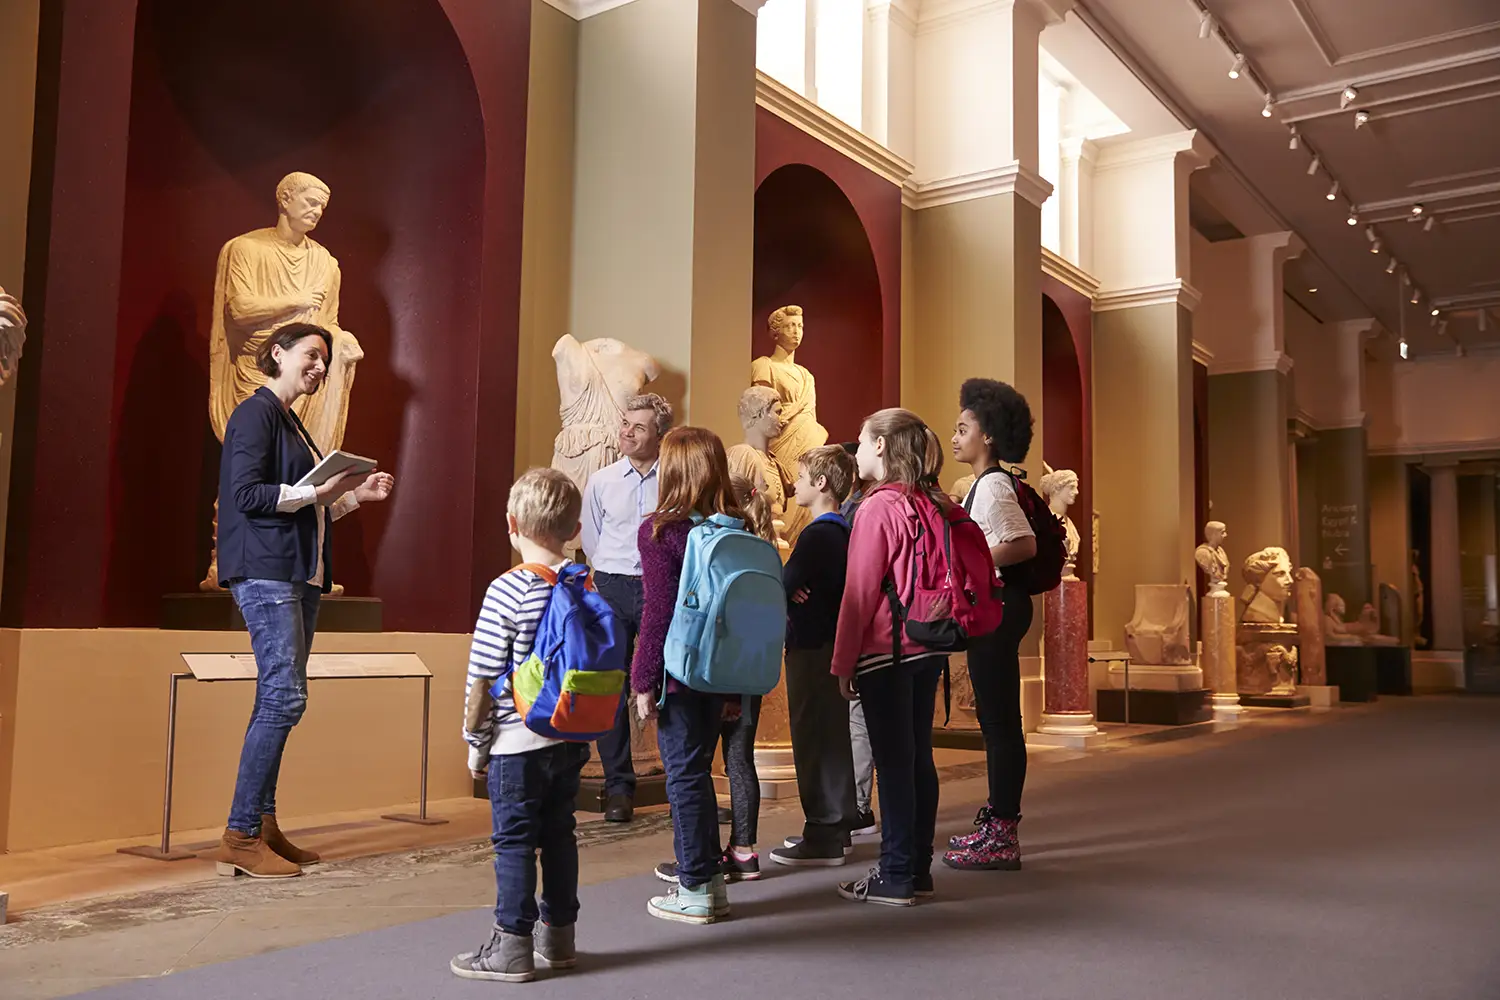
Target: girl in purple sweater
(693, 473)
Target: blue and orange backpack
(573, 685)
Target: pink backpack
(952, 563)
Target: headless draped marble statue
(594, 380)
(266, 279)
(12, 335)
(798, 392)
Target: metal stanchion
(164, 852)
(421, 818)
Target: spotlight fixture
(1348, 97)
(1206, 25)
(1416, 294)
(1427, 226)
(1313, 167)
(1390, 267)
(1353, 219)
(1313, 290)
(1333, 194)
(1484, 320)
(1296, 141)
(1361, 119)
(1370, 233)
(1238, 67)
(1436, 311)
(1404, 349)
(1375, 247)
(1418, 209)
(1265, 112)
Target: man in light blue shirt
(616, 500)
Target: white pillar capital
(1141, 227)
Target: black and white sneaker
(866, 826)
(794, 841)
(805, 855)
(873, 889)
(736, 870)
(667, 872)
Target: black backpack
(1043, 571)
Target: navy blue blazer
(263, 448)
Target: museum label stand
(215, 667)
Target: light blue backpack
(729, 626)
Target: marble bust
(595, 379)
(1060, 490)
(12, 335)
(752, 460)
(266, 279)
(795, 387)
(1213, 560)
(1268, 574)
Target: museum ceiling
(1400, 105)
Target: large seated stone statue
(594, 381)
(1159, 632)
(266, 279)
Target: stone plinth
(1157, 677)
(1264, 651)
(1220, 674)
(1066, 716)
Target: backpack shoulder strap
(974, 490)
(545, 572)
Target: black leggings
(995, 672)
(738, 739)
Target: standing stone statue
(12, 335)
(1268, 574)
(1060, 490)
(266, 279)
(760, 416)
(1312, 664)
(594, 380)
(794, 385)
(1212, 559)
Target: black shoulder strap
(974, 490)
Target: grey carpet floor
(1356, 859)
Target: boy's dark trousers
(821, 750)
(531, 799)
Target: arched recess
(380, 103)
(1065, 429)
(812, 250)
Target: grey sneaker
(554, 946)
(504, 958)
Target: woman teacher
(274, 556)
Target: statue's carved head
(760, 410)
(1059, 489)
(12, 335)
(302, 198)
(786, 327)
(1270, 570)
(1214, 533)
(1335, 607)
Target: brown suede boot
(276, 841)
(240, 854)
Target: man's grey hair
(657, 405)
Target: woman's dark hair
(284, 337)
(1004, 417)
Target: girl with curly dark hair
(993, 431)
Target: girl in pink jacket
(901, 457)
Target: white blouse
(993, 506)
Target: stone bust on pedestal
(1060, 490)
(795, 387)
(1213, 560)
(1268, 574)
(266, 279)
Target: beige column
(1445, 599)
(664, 194)
(890, 75)
(1077, 201)
(1143, 386)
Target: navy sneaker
(873, 889)
(736, 870)
(922, 886)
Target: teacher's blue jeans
(281, 618)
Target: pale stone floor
(85, 917)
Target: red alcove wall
(415, 115)
(828, 238)
(1067, 425)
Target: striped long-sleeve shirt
(503, 638)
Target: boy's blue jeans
(281, 618)
(532, 799)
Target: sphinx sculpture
(12, 335)
(266, 279)
(1363, 632)
(595, 378)
(795, 387)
